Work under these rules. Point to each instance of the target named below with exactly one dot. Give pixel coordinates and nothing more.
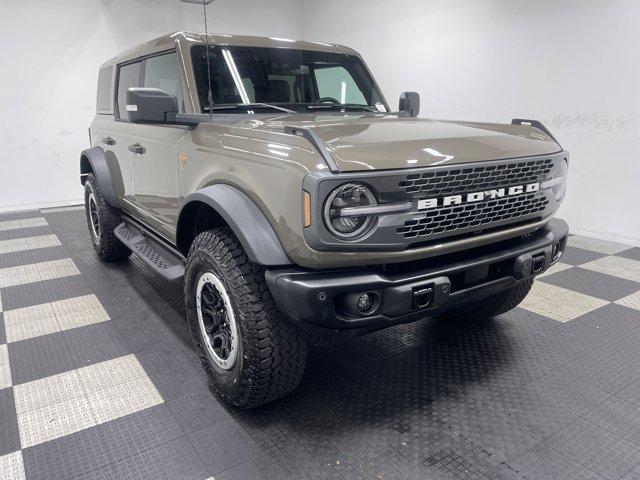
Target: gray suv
(273, 179)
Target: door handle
(108, 141)
(137, 148)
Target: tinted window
(162, 72)
(104, 89)
(128, 76)
(337, 83)
(288, 77)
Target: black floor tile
(578, 256)
(592, 283)
(85, 451)
(46, 291)
(9, 435)
(63, 351)
(543, 462)
(25, 232)
(3, 333)
(597, 449)
(175, 460)
(27, 257)
(632, 253)
(223, 445)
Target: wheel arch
(93, 160)
(224, 205)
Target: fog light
(364, 303)
(360, 304)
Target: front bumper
(320, 300)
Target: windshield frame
(348, 107)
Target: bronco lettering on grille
(451, 200)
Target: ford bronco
(273, 179)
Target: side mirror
(410, 103)
(150, 105)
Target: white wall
(573, 64)
(49, 60)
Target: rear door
(156, 151)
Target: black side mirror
(150, 105)
(410, 103)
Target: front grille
(476, 179)
(474, 215)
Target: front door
(155, 151)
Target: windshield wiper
(248, 105)
(341, 106)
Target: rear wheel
(493, 305)
(102, 219)
(251, 353)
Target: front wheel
(493, 305)
(102, 219)
(251, 353)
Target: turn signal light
(307, 209)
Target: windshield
(299, 80)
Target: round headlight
(342, 222)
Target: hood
(383, 142)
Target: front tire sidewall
(97, 241)
(225, 382)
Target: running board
(157, 257)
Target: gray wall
(49, 60)
(573, 64)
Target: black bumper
(323, 300)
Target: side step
(166, 263)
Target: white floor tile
(11, 466)
(558, 267)
(60, 405)
(559, 303)
(37, 272)
(631, 301)
(595, 245)
(37, 320)
(616, 266)
(55, 421)
(22, 223)
(28, 243)
(5, 369)
(108, 374)
(124, 399)
(47, 391)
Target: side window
(337, 83)
(104, 89)
(162, 72)
(128, 76)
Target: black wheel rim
(216, 321)
(93, 217)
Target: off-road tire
(493, 305)
(105, 243)
(271, 350)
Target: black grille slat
(456, 181)
(476, 215)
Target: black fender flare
(94, 160)
(245, 219)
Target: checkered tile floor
(98, 379)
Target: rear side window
(104, 88)
(128, 76)
(162, 72)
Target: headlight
(558, 181)
(342, 222)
